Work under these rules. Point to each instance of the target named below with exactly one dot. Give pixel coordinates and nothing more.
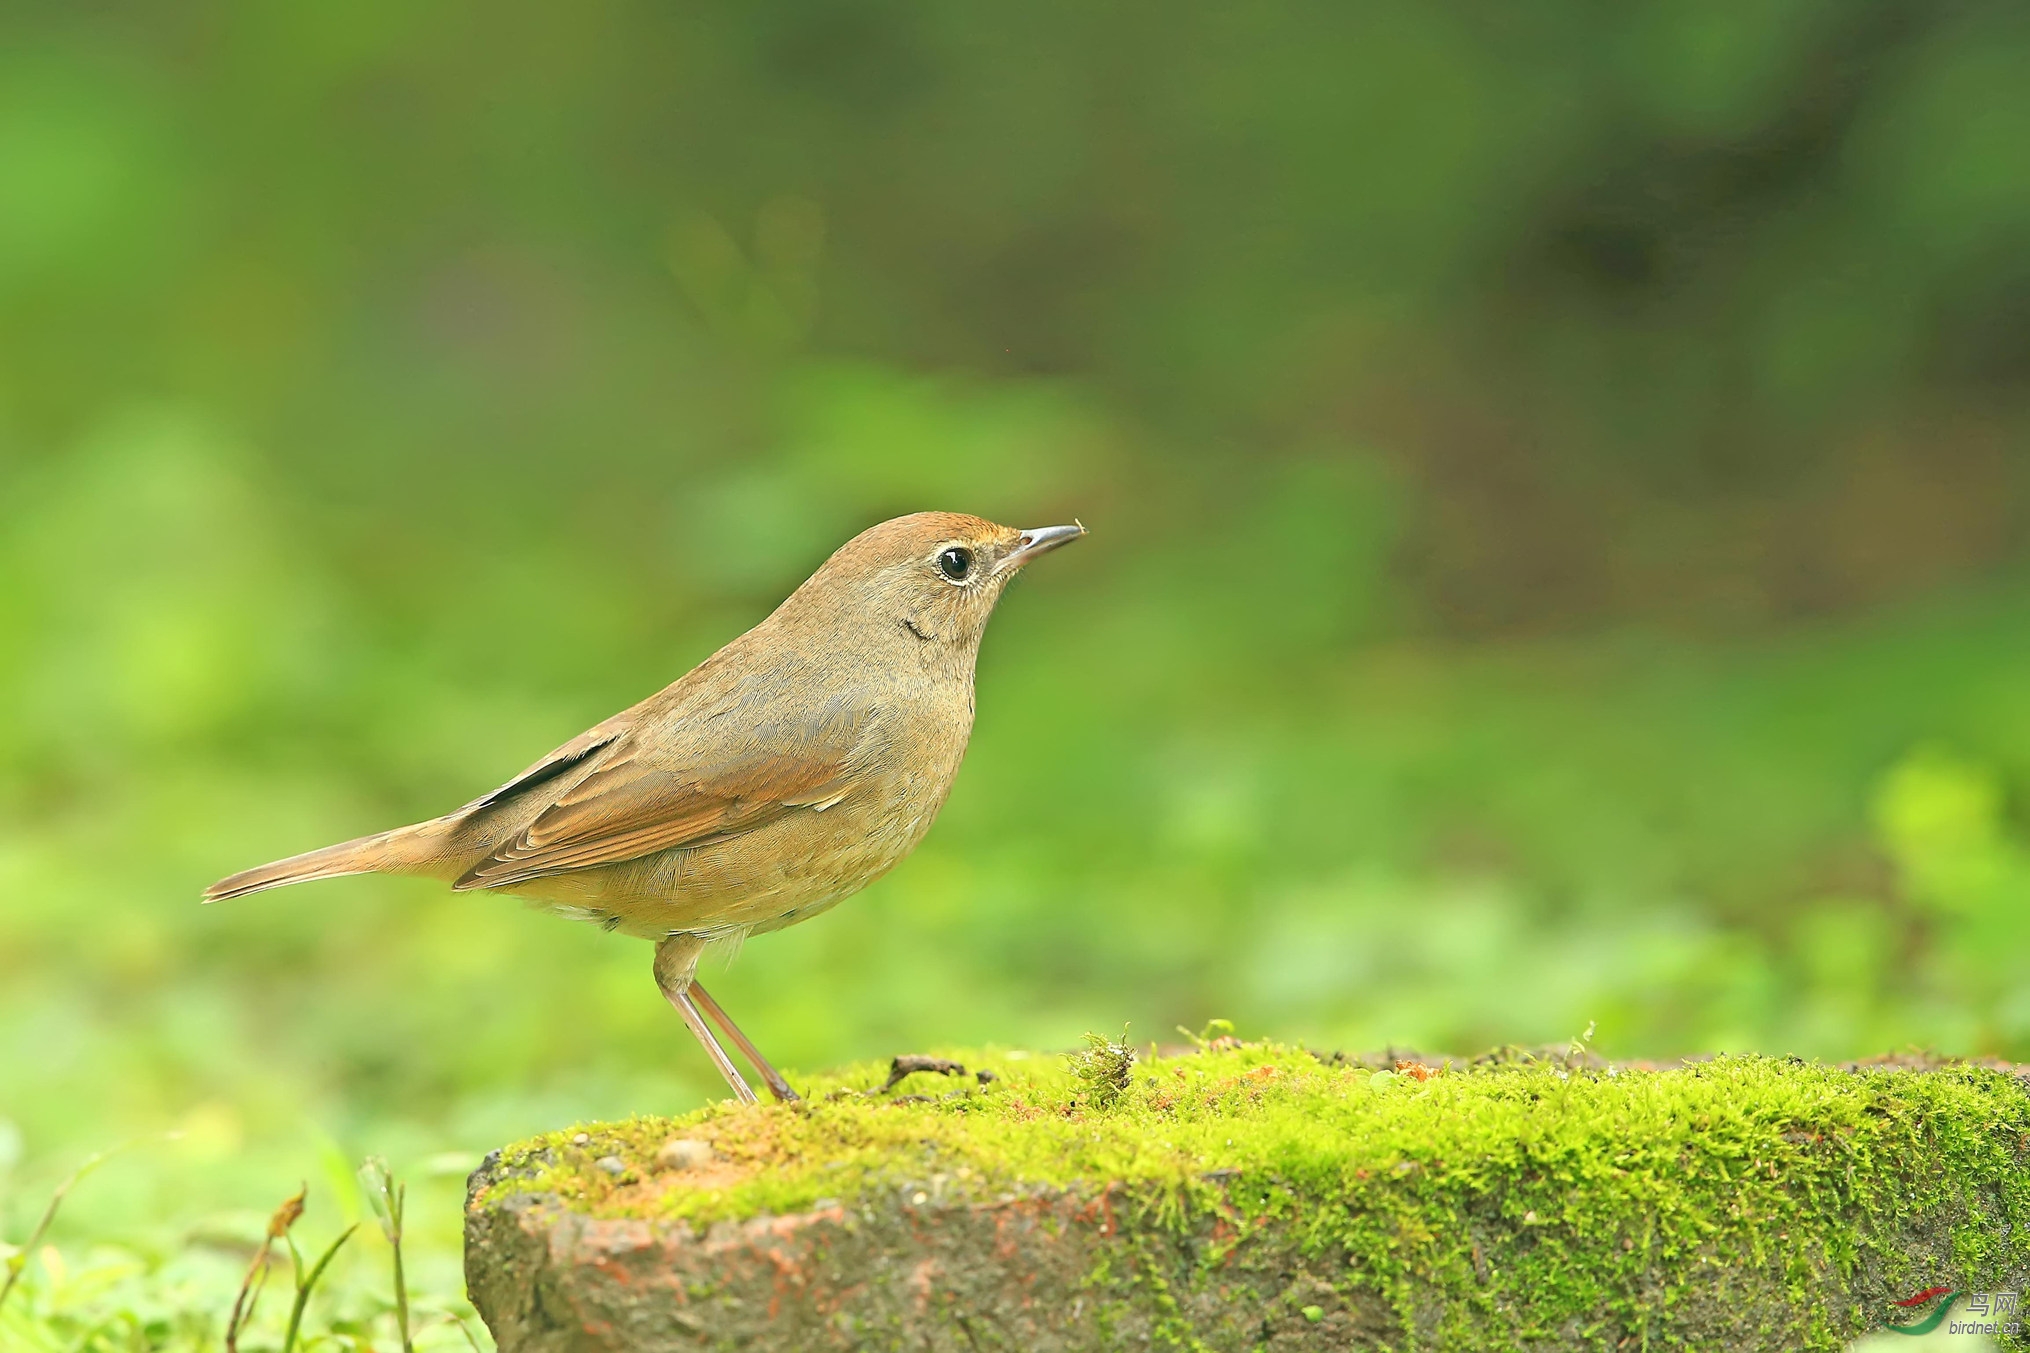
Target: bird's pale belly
(788, 871)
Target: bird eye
(955, 563)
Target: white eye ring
(955, 562)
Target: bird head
(931, 576)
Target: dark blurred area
(1556, 474)
(1709, 313)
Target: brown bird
(782, 774)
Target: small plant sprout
(1575, 1055)
(1218, 1034)
(306, 1282)
(386, 1197)
(256, 1279)
(279, 1228)
(1104, 1068)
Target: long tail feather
(367, 855)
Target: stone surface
(923, 1257)
(1044, 1272)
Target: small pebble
(683, 1153)
(581, 1139)
(611, 1164)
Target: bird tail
(394, 852)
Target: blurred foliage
(1556, 476)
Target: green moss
(1559, 1199)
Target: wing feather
(638, 796)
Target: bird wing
(573, 755)
(639, 794)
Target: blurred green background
(1556, 476)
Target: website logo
(1987, 1313)
(1930, 1322)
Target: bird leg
(777, 1086)
(676, 959)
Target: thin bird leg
(703, 1032)
(777, 1086)
(676, 959)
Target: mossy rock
(1259, 1197)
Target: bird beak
(1039, 540)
